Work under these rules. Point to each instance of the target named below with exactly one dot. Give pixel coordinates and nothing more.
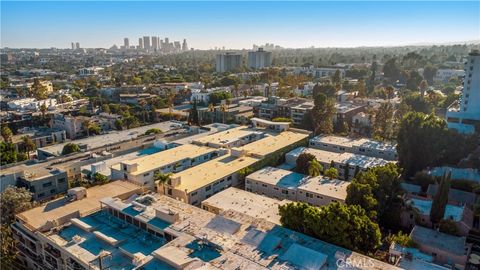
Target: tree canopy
(344, 225)
(70, 148)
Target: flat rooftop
(442, 241)
(227, 136)
(210, 171)
(361, 161)
(425, 206)
(169, 156)
(352, 142)
(249, 203)
(333, 188)
(57, 210)
(113, 137)
(274, 142)
(345, 107)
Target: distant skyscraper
(154, 43)
(184, 45)
(228, 61)
(177, 46)
(146, 43)
(126, 43)
(259, 59)
(77, 45)
(73, 46)
(140, 43)
(464, 115)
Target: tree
(391, 70)
(28, 144)
(303, 162)
(424, 141)
(344, 225)
(361, 89)
(322, 114)
(224, 110)
(282, 119)
(70, 148)
(314, 168)
(13, 200)
(331, 173)
(6, 133)
(99, 178)
(440, 200)
(217, 97)
(371, 80)
(402, 239)
(417, 103)
(105, 108)
(383, 124)
(94, 129)
(38, 90)
(413, 80)
(43, 110)
(336, 79)
(429, 72)
(8, 153)
(211, 110)
(193, 115)
(448, 226)
(162, 179)
(153, 131)
(423, 86)
(390, 92)
(378, 192)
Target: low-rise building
(282, 184)
(362, 146)
(417, 212)
(199, 183)
(446, 249)
(142, 170)
(242, 201)
(158, 232)
(137, 98)
(74, 126)
(347, 164)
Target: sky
(238, 25)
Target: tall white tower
(464, 114)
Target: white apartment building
(443, 75)
(228, 61)
(259, 59)
(287, 185)
(464, 114)
(31, 104)
(355, 162)
(142, 170)
(362, 146)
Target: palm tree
(211, 109)
(314, 168)
(87, 124)
(142, 104)
(28, 144)
(162, 179)
(43, 110)
(223, 109)
(170, 99)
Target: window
(308, 195)
(48, 184)
(53, 191)
(169, 191)
(193, 193)
(216, 183)
(229, 178)
(146, 174)
(223, 180)
(284, 191)
(61, 180)
(264, 185)
(208, 188)
(276, 188)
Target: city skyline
(210, 24)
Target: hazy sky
(238, 24)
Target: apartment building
(43, 181)
(287, 185)
(199, 183)
(74, 126)
(347, 164)
(362, 146)
(142, 170)
(242, 201)
(157, 232)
